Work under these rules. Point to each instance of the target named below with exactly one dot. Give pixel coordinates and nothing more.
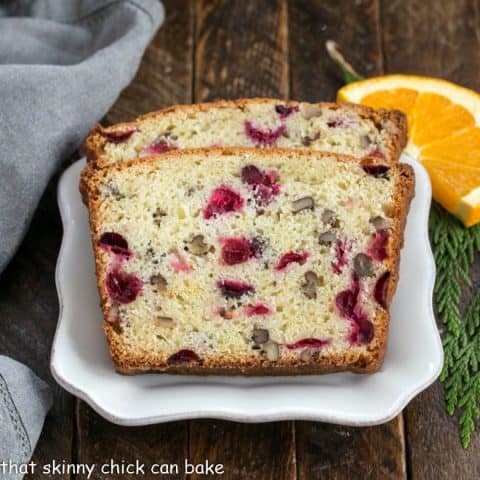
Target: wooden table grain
(210, 49)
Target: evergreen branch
(470, 413)
(472, 316)
(454, 248)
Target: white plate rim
(291, 413)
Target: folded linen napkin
(62, 65)
(60, 72)
(24, 401)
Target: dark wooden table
(228, 49)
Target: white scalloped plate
(80, 361)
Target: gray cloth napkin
(24, 401)
(62, 65)
(60, 71)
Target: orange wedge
(444, 133)
(454, 167)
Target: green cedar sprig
(454, 248)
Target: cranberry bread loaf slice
(341, 128)
(245, 261)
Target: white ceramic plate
(80, 361)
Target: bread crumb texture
(341, 128)
(247, 259)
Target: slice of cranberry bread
(341, 128)
(245, 261)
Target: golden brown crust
(357, 362)
(252, 371)
(392, 121)
(403, 197)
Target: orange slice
(444, 133)
(454, 167)
(399, 98)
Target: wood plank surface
(263, 451)
(436, 38)
(333, 451)
(336, 453)
(241, 51)
(164, 78)
(100, 442)
(442, 39)
(28, 317)
(352, 24)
